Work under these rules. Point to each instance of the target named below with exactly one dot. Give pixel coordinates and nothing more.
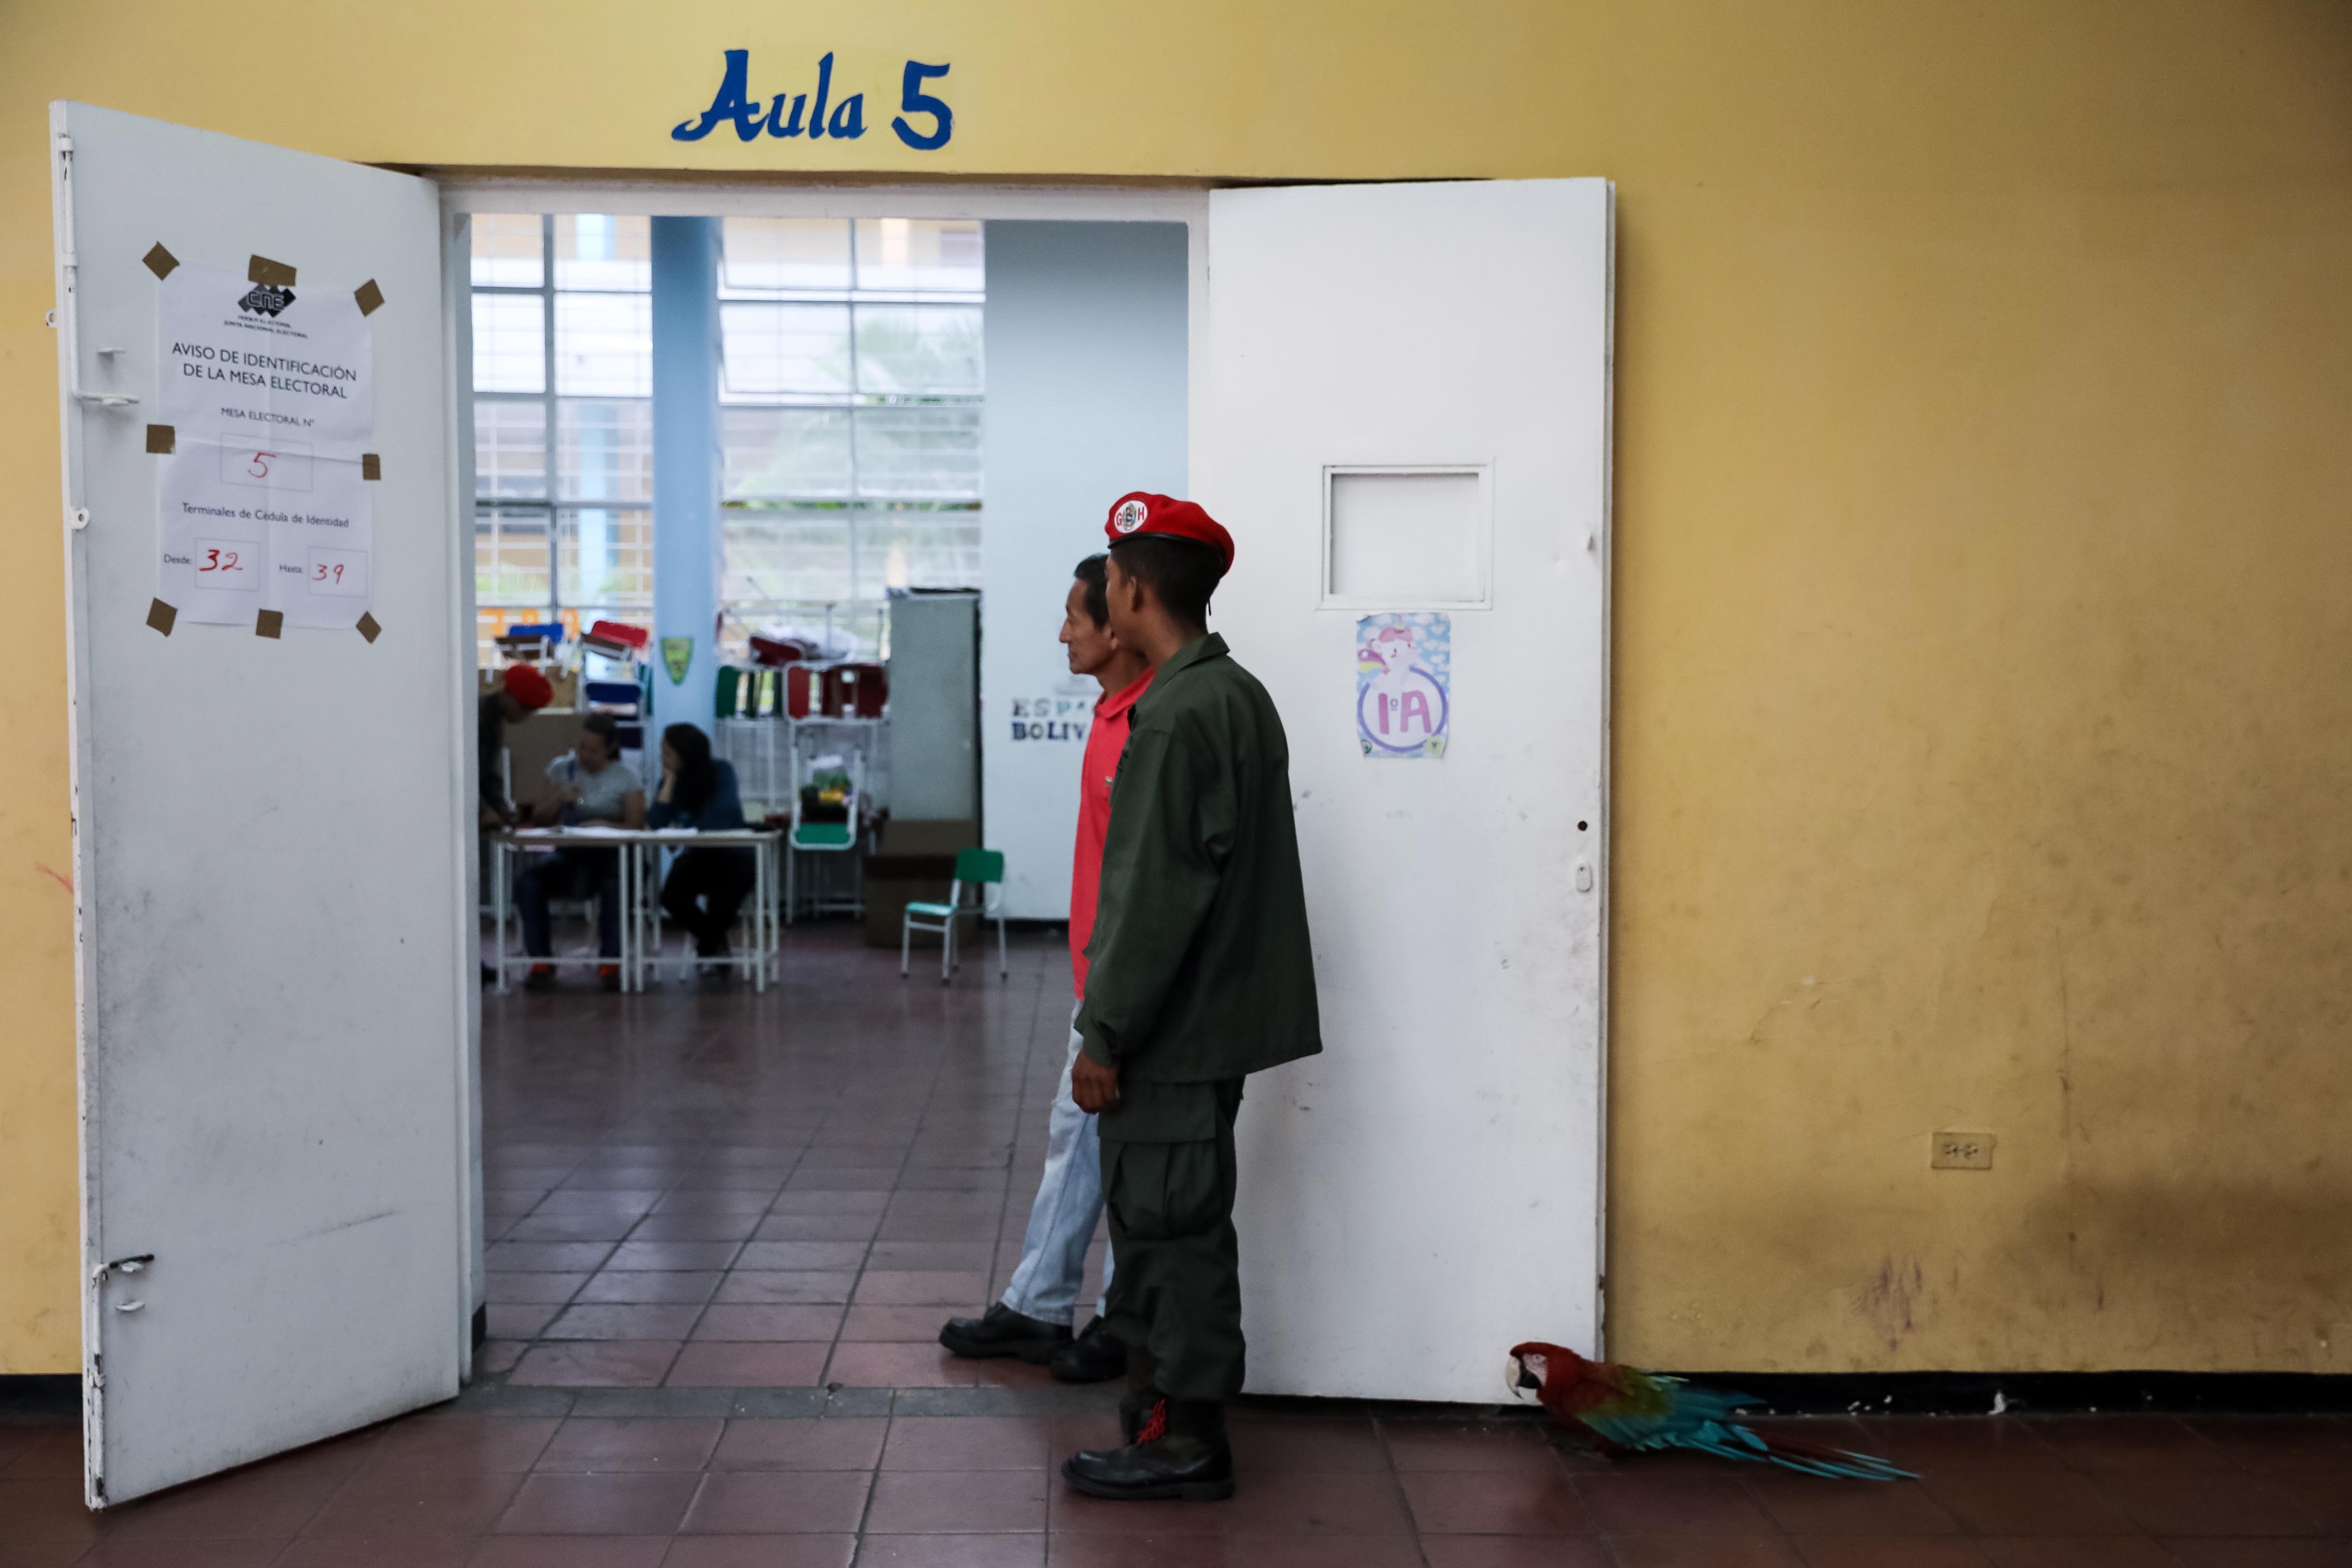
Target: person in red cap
(522, 691)
(1199, 972)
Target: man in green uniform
(1199, 972)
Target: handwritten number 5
(259, 466)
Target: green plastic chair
(982, 869)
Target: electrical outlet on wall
(1960, 1151)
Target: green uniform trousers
(1169, 1173)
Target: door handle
(1584, 876)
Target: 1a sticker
(1404, 704)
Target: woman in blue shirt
(706, 887)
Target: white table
(638, 885)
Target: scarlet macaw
(1628, 1409)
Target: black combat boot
(1096, 1356)
(1003, 1331)
(1179, 1452)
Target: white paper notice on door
(252, 361)
(248, 528)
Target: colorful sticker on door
(1405, 677)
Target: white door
(272, 936)
(1405, 416)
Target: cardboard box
(916, 862)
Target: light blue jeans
(1062, 1221)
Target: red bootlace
(1155, 1425)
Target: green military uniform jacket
(1199, 968)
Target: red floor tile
(1323, 1502)
(600, 1446)
(778, 1502)
(999, 1550)
(969, 1443)
(883, 1288)
(2261, 1553)
(571, 1552)
(674, 1255)
(1277, 1444)
(461, 1443)
(2127, 1443)
(1515, 1552)
(899, 1366)
(741, 1320)
(1324, 1551)
(1930, 1443)
(509, 1321)
(817, 1227)
(785, 1256)
(788, 1286)
(1890, 1551)
(904, 1325)
(182, 1552)
(1703, 1552)
(2204, 1502)
(760, 1552)
(546, 1256)
(531, 1289)
(606, 1504)
(681, 1287)
(954, 1502)
(571, 1227)
(1069, 1513)
(1435, 1446)
(2027, 1502)
(710, 1363)
(1495, 1502)
(1690, 1501)
(2076, 1552)
(832, 1443)
(1813, 1505)
(430, 1504)
(597, 1364)
(2279, 1442)
(736, 1226)
(1137, 1551)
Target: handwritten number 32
(217, 560)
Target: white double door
(1401, 409)
(274, 940)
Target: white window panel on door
(1428, 1192)
(273, 937)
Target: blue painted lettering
(731, 102)
(816, 115)
(913, 100)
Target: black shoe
(1003, 1331)
(1096, 1356)
(541, 978)
(1159, 1466)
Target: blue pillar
(686, 460)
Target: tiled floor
(702, 1188)
(726, 1229)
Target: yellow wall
(1983, 759)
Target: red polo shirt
(1104, 741)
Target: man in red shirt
(1033, 1321)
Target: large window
(850, 393)
(563, 420)
(849, 383)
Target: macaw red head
(1534, 1364)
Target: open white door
(1406, 416)
(272, 934)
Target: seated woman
(706, 887)
(590, 784)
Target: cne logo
(1129, 516)
(266, 301)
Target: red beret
(528, 687)
(1139, 511)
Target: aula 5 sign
(924, 122)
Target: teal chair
(980, 869)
